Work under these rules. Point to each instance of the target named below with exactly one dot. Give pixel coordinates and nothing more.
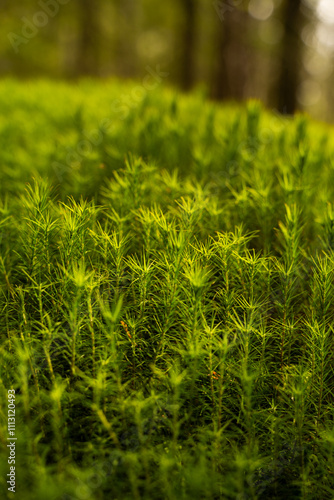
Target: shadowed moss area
(166, 273)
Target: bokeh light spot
(261, 9)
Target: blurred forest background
(280, 51)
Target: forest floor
(167, 296)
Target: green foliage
(166, 298)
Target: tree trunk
(88, 45)
(127, 30)
(188, 44)
(290, 60)
(231, 65)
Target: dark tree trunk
(189, 40)
(127, 29)
(231, 64)
(290, 60)
(88, 44)
(221, 86)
